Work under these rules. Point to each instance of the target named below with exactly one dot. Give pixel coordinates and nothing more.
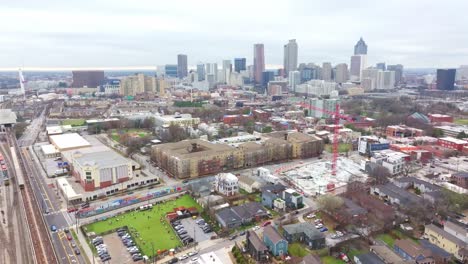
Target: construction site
(316, 177)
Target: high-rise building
(201, 72)
(290, 56)
(266, 77)
(182, 68)
(259, 63)
(328, 104)
(137, 84)
(294, 79)
(239, 64)
(369, 79)
(227, 69)
(381, 66)
(385, 80)
(462, 73)
(212, 69)
(360, 48)
(326, 71)
(446, 79)
(170, 70)
(398, 69)
(341, 73)
(358, 63)
(91, 79)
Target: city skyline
(121, 34)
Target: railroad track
(42, 244)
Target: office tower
(266, 77)
(239, 64)
(341, 73)
(369, 79)
(227, 69)
(385, 80)
(294, 79)
(398, 69)
(170, 70)
(259, 63)
(360, 48)
(446, 79)
(91, 79)
(358, 63)
(212, 69)
(182, 68)
(201, 72)
(326, 71)
(290, 56)
(137, 84)
(381, 66)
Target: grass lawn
(331, 260)
(461, 121)
(74, 122)
(147, 226)
(116, 133)
(387, 239)
(298, 250)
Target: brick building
(452, 143)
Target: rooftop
(272, 234)
(68, 141)
(307, 228)
(255, 241)
(7, 117)
(446, 235)
(454, 140)
(184, 148)
(104, 159)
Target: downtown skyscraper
(360, 48)
(182, 68)
(259, 62)
(239, 64)
(290, 57)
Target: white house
(265, 175)
(227, 184)
(249, 184)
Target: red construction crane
(336, 117)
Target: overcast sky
(125, 33)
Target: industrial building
(70, 141)
(183, 120)
(193, 158)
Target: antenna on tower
(22, 82)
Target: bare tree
(330, 203)
(380, 174)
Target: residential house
(276, 244)
(270, 193)
(227, 184)
(240, 215)
(305, 233)
(227, 218)
(255, 247)
(395, 195)
(409, 250)
(388, 256)
(368, 258)
(446, 241)
(249, 184)
(412, 182)
(293, 199)
(439, 255)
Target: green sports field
(74, 122)
(148, 227)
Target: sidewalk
(89, 253)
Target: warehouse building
(64, 142)
(102, 169)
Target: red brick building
(438, 118)
(403, 131)
(452, 143)
(461, 179)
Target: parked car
(242, 233)
(191, 254)
(77, 251)
(173, 260)
(319, 226)
(69, 237)
(53, 228)
(310, 216)
(233, 237)
(266, 223)
(183, 257)
(323, 229)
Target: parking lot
(117, 250)
(194, 230)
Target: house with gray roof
(240, 215)
(305, 233)
(395, 195)
(227, 218)
(255, 246)
(276, 244)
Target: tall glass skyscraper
(360, 48)
(290, 56)
(446, 79)
(182, 68)
(259, 62)
(239, 64)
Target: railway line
(39, 234)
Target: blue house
(275, 243)
(411, 251)
(270, 193)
